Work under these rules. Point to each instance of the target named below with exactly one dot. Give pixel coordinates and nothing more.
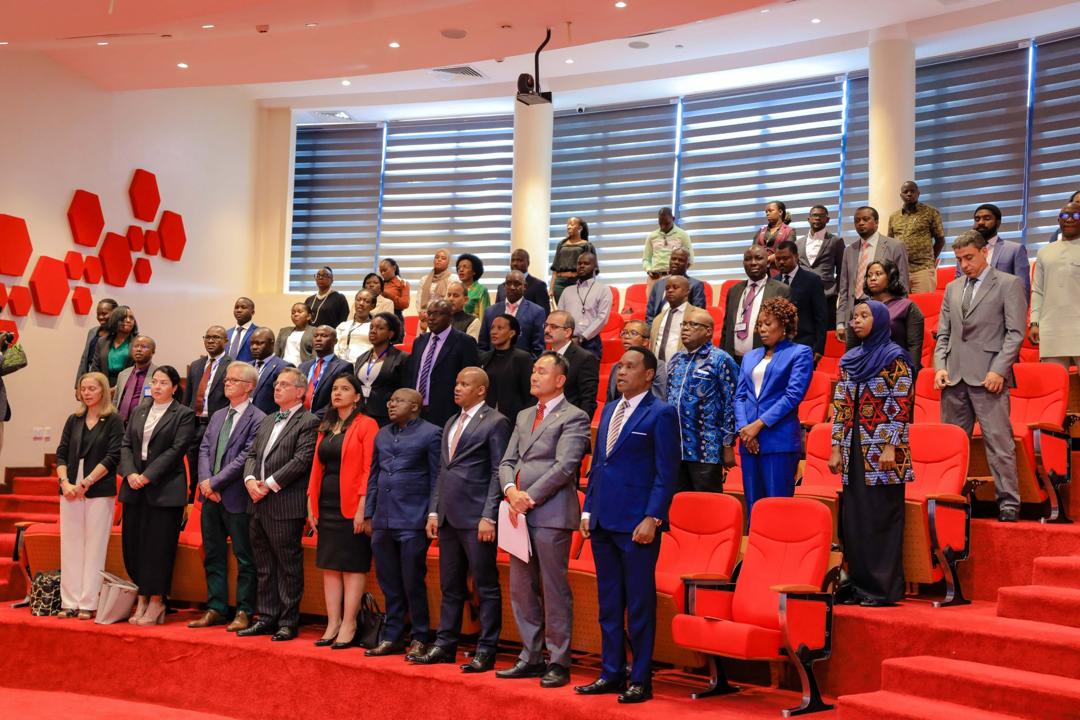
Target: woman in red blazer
(339, 475)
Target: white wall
(59, 133)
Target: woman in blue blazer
(772, 383)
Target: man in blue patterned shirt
(701, 388)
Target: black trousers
(148, 537)
(462, 554)
(700, 477)
(401, 569)
(218, 526)
(279, 565)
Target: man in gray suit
(744, 300)
(980, 331)
(822, 253)
(276, 477)
(870, 246)
(539, 476)
(462, 516)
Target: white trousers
(84, 539)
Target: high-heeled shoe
(86, 615)
(325, 642)
(137, 615)
(65, 614)
(149, 618)
(343, 645)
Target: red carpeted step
(34, 485)
(1042, 603)
(884, 705)
(1059, 571)
(985, 687)
(12, 583)
(41, 504)
(7, 544)
(1002, 553)
(8, 519)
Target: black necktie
(787, 279)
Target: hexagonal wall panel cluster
(85, 218)
(15, 245)
(49, 285)
(144, 195)
(116, 260)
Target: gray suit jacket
(887, 249)
(989, 338)
(547, 463)
(288, 462)
(828, 262)
(119, 397)
(468, 487)
(1011, 257)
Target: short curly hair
(785, 313)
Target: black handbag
(371, 621)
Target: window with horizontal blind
(613, 169)
(335, 213)
(856, 190)
(970, 135)
(744, 148)
(448, 183)
(1055, 145)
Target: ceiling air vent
(464, 71)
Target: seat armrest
(953, 502)
(1051, 429)
(708, 581)
(705, 578)
(948, 499)
(794, 589)
(23, 524)
(805, 628)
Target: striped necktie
(616, 425)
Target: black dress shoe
(284, 633)
(876, 602)
(482, 661)
(556, 676)
(522, 669)
(416, 650)
(386, 647)
(435, 655)
(259, 627)
(325, 642)
(636, 693)
(601, 686)
(1008, 515)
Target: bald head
(262, 343)
(677, 290)
(404, 406)
(471, 387)
(515, 286)
(697, 329)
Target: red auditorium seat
(930, 305)
(708, 295)
(704, 537)
(927, 398)
(611, 351)
(945, 275)
(830, 361)
(717, 314)
(614, 325)
(605, 376)
(191, 534)
(937, 517)
(636, 301)
(818, 482)
(725, 288)
(780, 604)
(412, 323)
(817, 402)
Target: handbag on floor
(116, 599)
(371, 621)
(45, 593)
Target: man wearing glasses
(635, 333)
(222, 453)
(822, 253)
(1055, 315)
(205, 389)
(701, 388)
(583, 377)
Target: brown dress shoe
(210, 617)
(240, 622)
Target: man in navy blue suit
(530, 317)
(322, 369)
(436, 359)
(1003, 255)
(635, 465)
(807, 294)
(267, 365)
(240, 336)
(536, 290)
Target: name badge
(146, 391)
(740, 327)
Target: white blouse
(292, 347)
(152, 419)
(352, 340)
(758, 374)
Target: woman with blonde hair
(86, 462)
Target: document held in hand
(514, 540)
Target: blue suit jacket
(656, 297)
(530, 317)
(1011, 257)
(263, 396)
(404, 470)
(244, 353)
(228, 480)
(638, 479)
(332, 367)
(786, 380)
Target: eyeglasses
(552, 326)
(694, 325)
(631, 333)
(236, 380)
(1069, 216)
(213, 337)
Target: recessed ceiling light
(815, 20)
(764, 10)
(182, 65)
(620, 4)
(454, 33)
(638, 44)
(346, 83)
(311, 25)
(569, 61)
(102, 43)
(208, 27)
(3, 42)
(395, 44)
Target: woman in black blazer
(154, 491)
(509, 369)
(86, 462)
(381, 369)
(112, 354)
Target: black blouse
(98, 446)
(509, 372)
(331, 310)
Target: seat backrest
(577, 542)
(927, 399)
(708, 294)
(789, 544)
(1041, 394)
(704, 535)
(930, 304)
(815, 404)
(412, 323)
(636, 298)
(834, 347)
(615, 321)
(611, 350)
(816, 473)
(939, 459)
(725, 288)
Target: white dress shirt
(279, 426)
(210, 382)
(292, 347)
(814, 241)
(239, 411)
(674, 335)
(152, 419)
(235, 344)
(589, 303)
(744, 346)
(790, 276)
(512, 308)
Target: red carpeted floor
(39, 705)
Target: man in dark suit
(1003, 255)
(530, 316)
(536, 290)
(205, 389)
(462, 516)
(267, 365)
(635, 333)
(822, 253)
(321, 370)
(276, 477)
(404, 469)
(638, 441)
(238, 345)
(222, 455)
(680, 264)
(104, 307)
(740, 334)
(807, 293)
(870, 246)
(437, 357)
(583, 376)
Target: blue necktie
(425, 369)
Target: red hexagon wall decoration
(85, 218)
(11, 327)
(143, 271)
(135, 238)
(49, 285)
(15, 245)
(73, 262)
(3, 296)
(92, 269)
(115, 260)
(19, 300)
(144, 195)
(152, 242)
(173, 237)
(81, 300)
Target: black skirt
(338, 547)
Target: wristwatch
(658, 521)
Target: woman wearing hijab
(872, 408)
